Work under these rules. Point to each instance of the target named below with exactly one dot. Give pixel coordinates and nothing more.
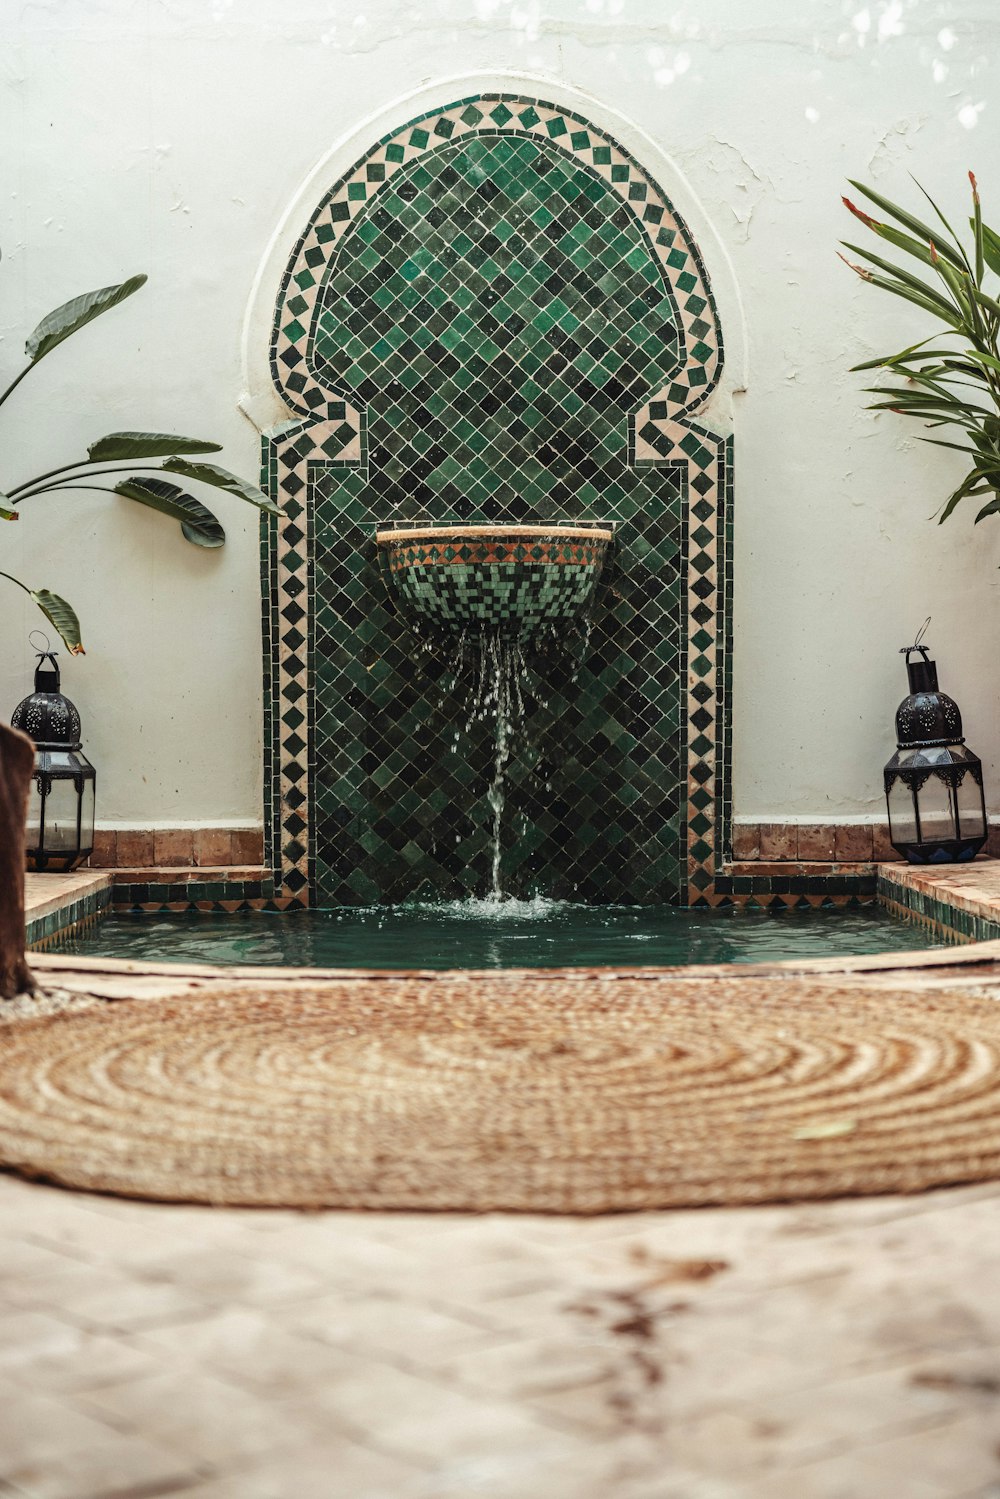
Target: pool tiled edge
(961, 901)
(57, 905)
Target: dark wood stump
(17, 756)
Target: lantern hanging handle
(43, 650)
(907, 650)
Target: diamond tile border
(329, 431)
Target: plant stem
(40, 478)
(34, 487)
(97, 488)
(14, 384)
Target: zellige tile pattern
(496, 316)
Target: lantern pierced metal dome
(60, 828)
(47, 716)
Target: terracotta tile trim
(812, 842)
(180, 874)
(824, 843)
(195, 848)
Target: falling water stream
(498, 696)
(490, 668)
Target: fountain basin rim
(555, 532)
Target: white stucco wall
(171, 136)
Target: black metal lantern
(933, 783)
(60, 832)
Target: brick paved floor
(831, 1351)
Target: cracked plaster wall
(170, 136)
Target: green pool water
(499, 934)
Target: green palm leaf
(916, 226)
(991, 249)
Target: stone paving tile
(204, 1418)
(53, 1355)
(426, 1421)
(904, 1466)
(258, 1280)
(104, 1299)
(122, 1467)
(565, 1475)
(393, 1326)
(321, 1470)
(246, 1347)
(829, 1351)
(51, 1449)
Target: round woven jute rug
(555, 1094)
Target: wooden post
(17, 756)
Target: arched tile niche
(497, 314)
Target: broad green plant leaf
(221, 478)
(132, 445)
(56, 611)
(62, 616)
(197, 522)
(75, 314)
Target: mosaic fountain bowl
(504, 580)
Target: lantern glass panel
(61, 808)
(33, 830)
(970, 807)
(87, 816)
(938, 810)
(902, 818)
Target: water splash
(498, 908)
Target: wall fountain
(491, 594)
(495, 319)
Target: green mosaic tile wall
(495, 317)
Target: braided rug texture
(551, 1094)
